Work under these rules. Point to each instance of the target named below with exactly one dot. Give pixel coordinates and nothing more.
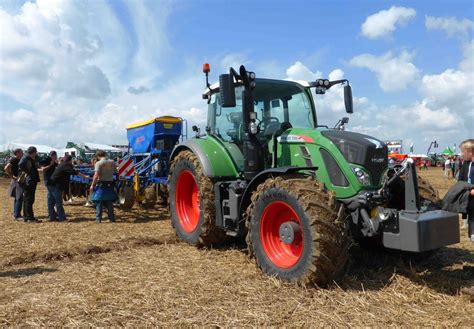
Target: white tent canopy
(103, 147)
(12, 146)
(67, 151)
(94, 147)
(61, 151)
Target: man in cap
(48, 166)
(15, 190)
(31, 179)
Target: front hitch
(417, 230)
(414, 228)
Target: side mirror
(226, 90)
(195, 129)
(345, 120)
(348, 99)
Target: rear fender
(214, 158)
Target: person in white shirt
(447, 167)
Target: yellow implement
(164, 119)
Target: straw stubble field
(135, 273)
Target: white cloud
(138, 90)
(330, 107)
(393, 73)
(451, 25)
(45, 48)
(65, 60)
(298, 71)
(445, 112)
(149, 19)
(467, 64)
(409, 119)
(416, 122)
(20, 115)
(333, 100)
(231, 60)
(453, 88)
(336, 74)
(450, 88)
(384, 23)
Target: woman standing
(102, 188)
(15, 190)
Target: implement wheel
(192, 207)
(150, 197)
(296, 231)
(126, 197)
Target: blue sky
(83, 70)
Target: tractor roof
(215, 86)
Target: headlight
(362, 175)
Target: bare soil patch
(136, 273)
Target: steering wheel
(267, 121)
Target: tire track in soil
(91, 250)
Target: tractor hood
(362, 150)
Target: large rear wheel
(191, 196)
(296, 231)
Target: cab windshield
(276, 101)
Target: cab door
(225, 124)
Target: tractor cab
(275, 102)
(261, 121)
(278, 104)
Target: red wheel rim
(281, 254)
(187, 201)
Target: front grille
(374, 165)
(362, 150)
(334, 171)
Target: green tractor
(300, 192)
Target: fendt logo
(295, 139)
(378, 160)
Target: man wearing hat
(48, 166)
(15, 190)
(28, 182)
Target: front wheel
(296, 231)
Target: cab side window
(226, 122)
(276, 110)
